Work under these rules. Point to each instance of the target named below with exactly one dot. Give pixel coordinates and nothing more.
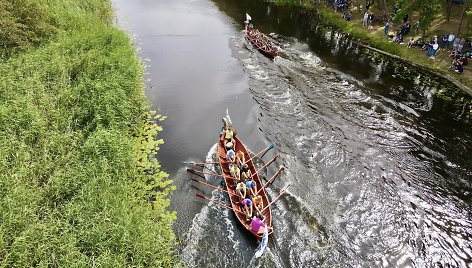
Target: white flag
(248, 18)
(263, 244)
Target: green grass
(80, 182)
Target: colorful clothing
(229, 134)
(230, 154)
(234, 169)
(247, 202)
(256, 224)
(257, 200)
(250, 184)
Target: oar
(194, 171)
(225, 162)
(203, 163)
(212, 186)
(281, 193)
(216, 202)
(264, 166)
(271, 179)
(263, 151)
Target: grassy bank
(364, 35)
(80, 184)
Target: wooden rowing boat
(235, 200)
(260, 41)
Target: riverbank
(376, 39)
(459, 87)
(81, 185)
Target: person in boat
(240, 159)
(252, 187)
(229, 135)
(241, 190)
(258, 205)
(247, 203)
(258, 226)
(230, 156)
(229, 146)
(245, 172)
(235, 173)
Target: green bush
(23, 24)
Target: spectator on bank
(405, 19)
(467, 45)
(405, 29)
(435, 50)
(347, 16)
(411, 43)
(464, 60)
(419, 43)
(450, 39)
(367, 6)
(429, 48)
(366, 18)
(398, 37)
(395, 9)
(387, 26)
(461, 45)
(370, 20)
(459, 67)
(417, 26)
(455, 45)
(444, 41)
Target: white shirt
(230, 154)
(451, 37)
(435, 46)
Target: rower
(230, 155)
(240, 159)
(245, 172)
(235, 173)
(241, 190)
(252, 186)
(258, 205)
(257, 225)
(247, 203)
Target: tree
(469, 21)
(465, 7)
(449, 8)
(427, 11)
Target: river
(379, 167)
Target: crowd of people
(459, 49)
(246, 188)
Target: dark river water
(379, 167)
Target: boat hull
(235, 200)
(269, 49)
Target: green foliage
(23, 24)
(80, 182)
(427, 11)
(469, 21)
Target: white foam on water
(210, 157)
